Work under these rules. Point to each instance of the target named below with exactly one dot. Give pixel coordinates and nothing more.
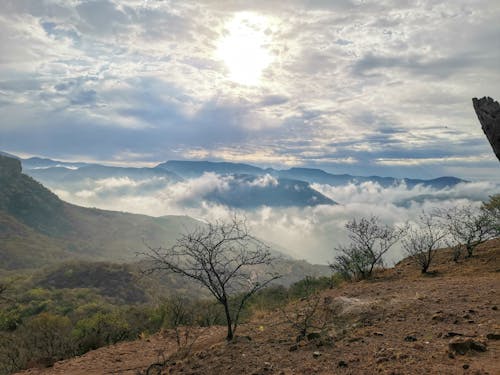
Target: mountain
(40, 163)
(240, 190)
(235, 185)
(38, 229)
(77, 179)
(190, 169)
(319, 176)
(245, 191)
(8, 155)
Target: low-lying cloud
(309, 233)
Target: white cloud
(309, 233)
(263, 181)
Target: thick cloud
(309, 233)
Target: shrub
(370, 240)
(99, 330)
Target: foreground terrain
(398, 323)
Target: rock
(316, 354)
(494, 308)
(9, 167)
(267, 366)
(488, 113)
(342, 364)
(452, 334)
(462, 345)
(378, 334)
(493, 336)
(438, 317)
(293, 348)
(313, 336)
(410, 338)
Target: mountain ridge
(223, 167)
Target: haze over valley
(304, 210)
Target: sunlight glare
(244, 49)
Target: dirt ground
(398, 323)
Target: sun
(244, 48)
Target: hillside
(398, 323)
(40, 229)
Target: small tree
(492, 208)
(223, 258)
(422, 242)
(310, 312)
(370, 240)
(181, 316)
(468, 226)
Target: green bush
(99, 330)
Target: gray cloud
(383, 86)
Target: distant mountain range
(38, 229)
(245, 186)
(189, 169)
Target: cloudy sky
(363, 87)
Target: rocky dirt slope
(398, 323)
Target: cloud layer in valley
(363, 87)
(309, 233)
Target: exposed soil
(401, 322)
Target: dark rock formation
(9, 167)
(488, 113)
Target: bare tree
(179, 315)
(310, 313)
(422, 242)
(370, 240)
(492, 208)
(224, 258)
(468, 226)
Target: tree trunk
(470, 250)
(229, 336)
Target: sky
(362, 87)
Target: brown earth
(401, 322)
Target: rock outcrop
(9, 167)
(488, 113)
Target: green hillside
(37, 228)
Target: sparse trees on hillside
(468, 226)
(421, 242)
(224, 258)
(370, 240)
